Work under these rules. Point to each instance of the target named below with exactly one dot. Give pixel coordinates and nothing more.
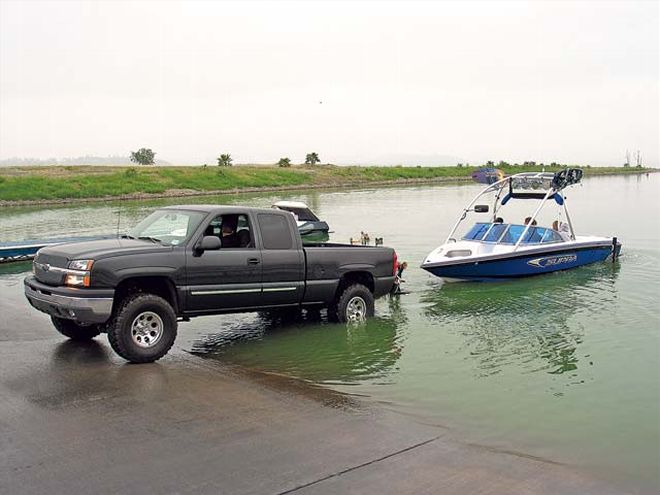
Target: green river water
(563, 366)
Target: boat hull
(19, 250)
(520, 264)
(315, 236)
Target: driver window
(233, 231)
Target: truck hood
(104, 248)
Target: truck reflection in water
(530, 322)
(309, 348)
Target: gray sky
(572, 82)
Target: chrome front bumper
(65, 303)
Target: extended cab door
(283, 275)
(230, 277)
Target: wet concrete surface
(75, 418)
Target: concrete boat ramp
(76, 419)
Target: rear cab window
(275, 231)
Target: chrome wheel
(356, 309)
(147, 329)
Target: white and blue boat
(311, 228)
(495, 250)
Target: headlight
(81, 276)
(81, 264)
(77, 280)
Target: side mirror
(481, 208)
(209, 243)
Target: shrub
(224, 160)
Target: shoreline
(190, 193)
(345, 184)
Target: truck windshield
(168, 227)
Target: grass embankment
(27, 184)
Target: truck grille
(43, 265)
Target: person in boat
(562, 228)
(529, 219)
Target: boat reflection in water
(309, 348)
(533, 324)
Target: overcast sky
(573, 82)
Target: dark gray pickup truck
(185, 261)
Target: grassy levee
(20, 184)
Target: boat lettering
(552, 260)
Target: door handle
(253, 261)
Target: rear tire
(353, 305)
(75, 331)
(144, 328)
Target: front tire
(144, 328)
(75, 331)
(355, 304)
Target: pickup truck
(186, 261)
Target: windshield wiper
(148, 238)
(126, 236)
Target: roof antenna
(118, 218)
(121, 199)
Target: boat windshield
(503, 233)
(301, 214)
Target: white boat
(311, 228)
(494, 250)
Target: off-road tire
(75, 331)
(338, 309)
(121, 328)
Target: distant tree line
(146, 156)
(225, 160)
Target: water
(563, 366)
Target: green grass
(53, 183)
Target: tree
(143, 156)
(284, 162)
(224, 160)
(490, 163)
(312, 159)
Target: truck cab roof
(223, 209)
